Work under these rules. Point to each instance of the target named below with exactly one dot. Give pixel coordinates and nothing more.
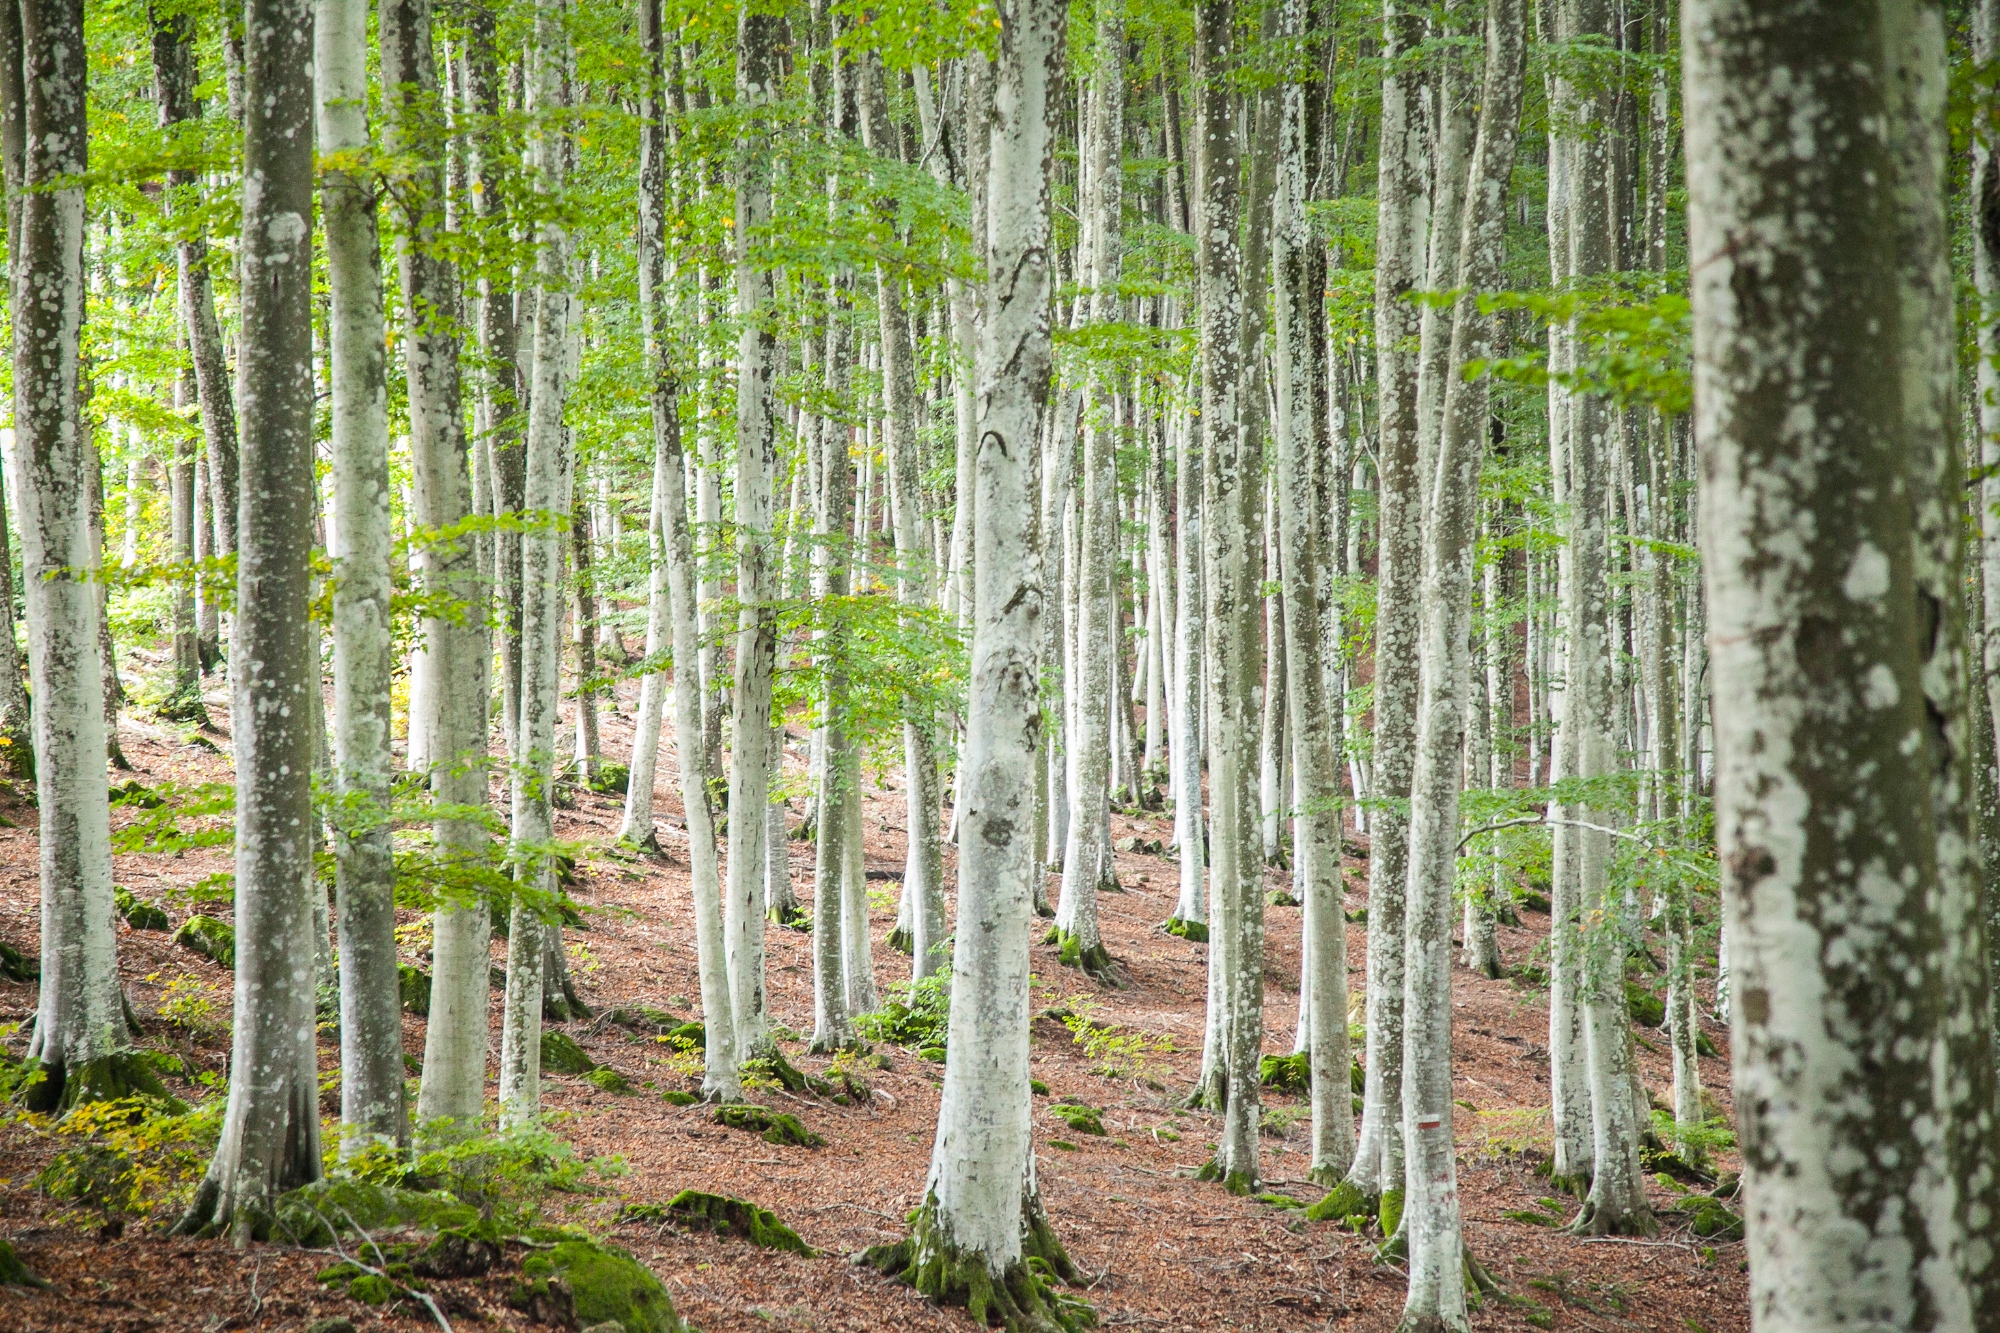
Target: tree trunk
(1316, 844)
(371, 1014)
(456, 657)
(1820, 491)
(1378, 1157)
(79, 1037)
(1431, 1214)
(981, 1220)
(759, 38)
(583, 624)
(545, 500)
(270, 1128)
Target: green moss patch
(609, 1080)
(140, 913)
(313, 1214)
(779, 1127)
(13, 1272)
(561, 1054)
(726, 1216)
(212, 939)
(415, 985)
(594, 1284)
(1194, 931)
(1286, 1073)
(1083, 1119)
(1648, 1010)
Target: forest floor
(1161, 1250)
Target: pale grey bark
(1316, 842)
(1232, 422)
(1088, 868)
(839, 759)
(758, 39)
(371, 1016)
(79, 1017)
(1431, 1215)
(1185, 749)
(1378, 1158)
(455, 662)
(270, 1128)
(1861, 1073)
(545, 498)
(981, 1201)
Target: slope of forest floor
(1162, 1251)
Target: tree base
(108, 1078)
(1346, 1202)
(902, 941)
(1598, 1220)
(1195, 932)
(1095, 961)
(790, 916)
(1022, 1299)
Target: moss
(643, 1018)
(311, 1215)
(1194, 931)
(1280, 898)
(611, 778)
(1390, 1214)
(675, 1097)
(1022, 1299)
(561, 1054)
(1286, 1073)
(791, 916)
(140, 913)
(1062, 1145)
(1343, 1203)
(934, 1054)
(1710, 1219)
(605, 1285)
(108, 1078)
(902, 941)
(727, 1216)
(779, 1127)
(212, 939)
(1280, 1200)
(1648, 1010)
(1039, 1088)
(690, 1036)
(14, 1273)
(331, 1324)
(415, 985)
(609, 1080)
(1094, 961)
(1083, 1119)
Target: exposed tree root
(1022, 1299)
(105, 1079)
(1598, 1220)
(902, 941)
(1344, 1201)
(1095, 961)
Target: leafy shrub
(917, 1013)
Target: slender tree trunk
(1820, 492)
(1088, 868)
(270, 1127)
(1438, 1266)
(16, 723)
(1378, 1158)
(457, 656)
(80, 1029)
(545, 497)
(758, 39)
(583, 624)
(1190, 918)
(371, 1015)
(839, 758)
(981, 1220)
(1316, 844)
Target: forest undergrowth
(1117, 1151)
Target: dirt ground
(1162, 1250)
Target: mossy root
(1021, 1299)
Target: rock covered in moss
(140, 913)
(582, 1284)
(212, 939)
(608, 1080)
(1079, 1117)
(561, 1054)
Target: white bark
(545, 497)
(1316, 841)
(79, 1019)
(981, 1193)
(1451, 509)
(1378, 1158)
(757, 72)
(371, 1018)
(270, 1128)
(1860, 1071)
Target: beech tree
(1819, 474)
(270, 1128)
